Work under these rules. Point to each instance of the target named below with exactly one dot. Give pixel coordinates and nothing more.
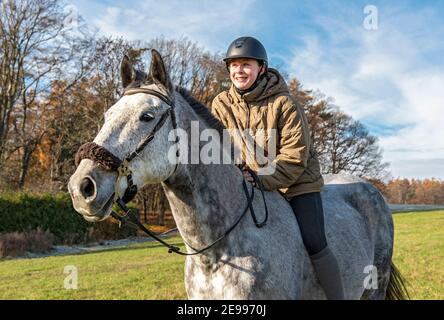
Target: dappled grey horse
(206, 199)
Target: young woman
(259, 99)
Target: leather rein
(108, 161)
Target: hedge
(22, 212)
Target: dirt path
(105, 245)
(414, 207)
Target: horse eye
(146, 116)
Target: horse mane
(201, 110)
(204, 113)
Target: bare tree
(342, 144)
(190, 66)
(78, 107)
(36, 47)
(108, 53)
(351, 148)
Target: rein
(108, 161)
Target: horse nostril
(87, 188)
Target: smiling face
(243, 72)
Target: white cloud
(213, 24)
(419, 169)
(386, 79)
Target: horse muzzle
(92, 191)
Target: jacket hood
(272, 84)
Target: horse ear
(127, 73)
(157, 73)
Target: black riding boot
(310, 215)
(327, 270)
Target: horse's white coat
(251, 263)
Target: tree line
(56, 82)
(412, 191)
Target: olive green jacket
(295, 169)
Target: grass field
(147, 271)
(419, 252)
(139, 271)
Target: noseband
(109, 162)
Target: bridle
(108, 161)
(100, 154)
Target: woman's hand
(249, 177)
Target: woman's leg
(310, 216)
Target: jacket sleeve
(292, 150)
(214, 109)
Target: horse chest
(223, 283)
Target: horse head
(132, 147)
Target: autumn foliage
(414, 191)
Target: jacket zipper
(248, 116)
(247, 127)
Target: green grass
(147, 271)
(139, 271)
(419, 252)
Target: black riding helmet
(246, 47)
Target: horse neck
(205, 199)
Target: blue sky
(390, 76)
